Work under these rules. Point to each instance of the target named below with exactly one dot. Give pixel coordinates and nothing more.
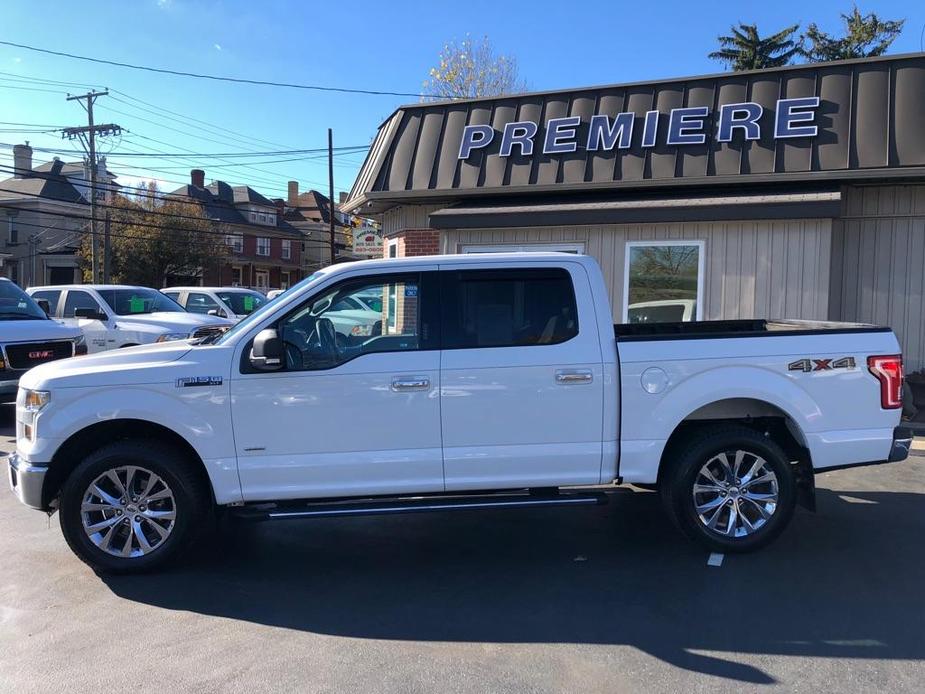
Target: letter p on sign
(475, 137)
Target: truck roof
(462, 258)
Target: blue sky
(368, 45)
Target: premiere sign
(686, 126)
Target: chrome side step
(370, 507)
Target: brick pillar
(412, 242)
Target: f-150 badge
(194, 381)
(807, 365)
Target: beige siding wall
(407, 217)
(878, 263)
(772, 269)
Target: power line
(353, 149)
(216, 78)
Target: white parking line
(716, 559)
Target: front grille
(209, 330)
(25, 356)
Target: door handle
(403, 385)
(572, 377)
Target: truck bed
(758, 327)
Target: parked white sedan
(233, 303)
(112, 316)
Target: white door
(96, 330)
(262, 279)
(521, 379)
(355, 414)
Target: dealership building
(795, 192)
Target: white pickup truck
(112, 316)
(496, 381)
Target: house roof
(218, 201)
(48, 185)
(68, 167)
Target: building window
(577, 248)
(13, 231)
(271, 219)
(287, 249)
(235, 277)
(262, 217)
(663, 281)
(393, 248)
(253, 216)
(284, 280)
(262, 279)
(236, 241)
(263, 245)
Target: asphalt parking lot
(594, 599)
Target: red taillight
(889, 371)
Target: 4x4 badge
(807, 365)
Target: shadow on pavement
(846, 582)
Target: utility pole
(107, 250)
(87, 136)
(331, 186)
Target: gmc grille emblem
(41, 354)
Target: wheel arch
(760, 415)
(83, 442)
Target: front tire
(731, 489)
(132, 506)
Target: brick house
(265, 249)
(310, 213)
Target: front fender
(200, 416)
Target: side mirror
(217, 312)
(44, 305)
(90, 314)
(267, 351)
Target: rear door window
(197, 302)
(509, 308)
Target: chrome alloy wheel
(128, 511)
(735, 493)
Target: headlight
(170, 337)
(80, 346)
(35, 400)
(361, 330)
(30, 404)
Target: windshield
(242, 303)
(130, 302)
(267, 306)
(15, 304)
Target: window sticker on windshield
(248, 303)
(411, 290)
(136, 305)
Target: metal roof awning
(693, 209)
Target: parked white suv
(233, 303)
(112, 316)
(29, 338)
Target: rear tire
(132, 506)
(731, 489)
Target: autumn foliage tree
(471, 69)
(155, 239)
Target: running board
(390, 506)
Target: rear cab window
(508, 308)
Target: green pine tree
(865, 35)
(744, 49)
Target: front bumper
(8, 386)
(27, 480)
